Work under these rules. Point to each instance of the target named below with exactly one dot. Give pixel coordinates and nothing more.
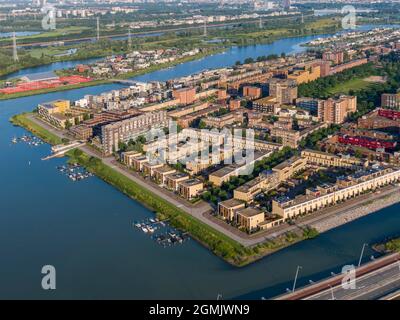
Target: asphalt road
(371, 286)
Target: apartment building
(290, 167)
(284, 90)
(172, 180)
(325, 159)
(59, 113)
(264, 182)
(160, 174)
(267, 105)
(390, 100)
(123, 131)
(190, 188)
(185, 96)
(336, 57)
(128, 157)
(326, 195)
(249, 218)
(223, 175)
(228, 208)
(337, 110)
(309, 74)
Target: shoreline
(219, 243)
(366, 208)
(99, 82)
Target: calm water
(84, 230)
(18, 34)
(226, 59)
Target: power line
(15, 52)
(98, 28)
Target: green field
(22, 120)
(353, 84)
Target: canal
(85, 228)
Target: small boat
(145, 230)
(14, 140)
(150, 228)
(152, 220)
(138, 225)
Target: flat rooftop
(287, 163)
(249, 212)
(231, 203)
(191, 182)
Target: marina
(166, 236)
(28, 139)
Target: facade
(138, 162)
(59, 113)
(252, 92)
(336, 57)
(223, 121)
(337, 110)
(307, 75)
(289, 138)
(223, 175)
(284, 90)
(160, 174)
(389, 100)
(185, 96)
(149, 168)
(128, 157)
(267, 105)
(228, 208)
(324, 196)
(288, 168)
(82, 131)
(172, 180)
(348, 65)
(330, 160)
(123, 131)
(264, 182)
(249, 218)
(309, 104)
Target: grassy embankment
(23, 121)
(218, 243)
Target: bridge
(378, 279)
(125, 81)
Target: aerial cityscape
(203, 150)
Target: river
(225, 59)
(84, 228)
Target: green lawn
(23, 121)
(353, 84)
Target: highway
(371, 286)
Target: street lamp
(295, 278)
(333, 296)
(362, 253)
